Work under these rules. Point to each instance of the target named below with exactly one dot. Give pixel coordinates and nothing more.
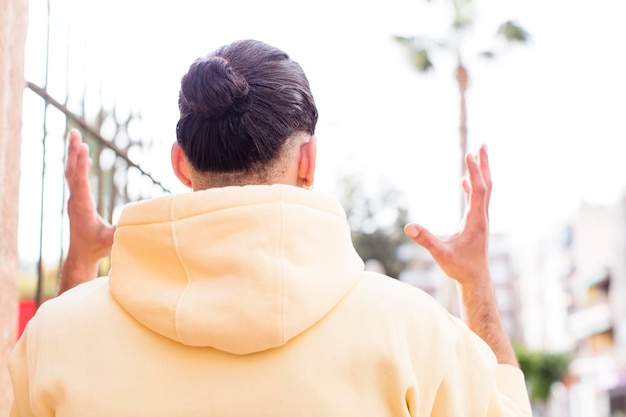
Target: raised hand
(464, 255)
(91, 237)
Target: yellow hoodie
(251, 301)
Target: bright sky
(551, 113)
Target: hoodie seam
(184, 265)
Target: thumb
(423, 237)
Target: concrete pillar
(13, 22)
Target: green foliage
(420, 50)
(513, 32)
(420, 60)
(463, 14)
(542, 370)
(377, 214)
(418, 55)
(404, 40)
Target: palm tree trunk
(461, 79)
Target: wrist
(475, 282)
(75, 254)
(76, 270)
(481, 314)
(477, 293)
(478, 301)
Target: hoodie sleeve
(476, 385)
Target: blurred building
(596, 316)
(577, 303)
(565, 293)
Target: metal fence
(52, 105)
(115, 180)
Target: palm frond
(513, 32)
(420, 59)
(418, 53)
(404, 40)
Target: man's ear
(179, 165)
(306, 166)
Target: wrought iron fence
(52, 106)
(115, 180)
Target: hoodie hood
(239, 269)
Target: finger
(77, 174)
(79, 182)
(466, 190)
(424, 238)
(476, 182)
(83, 161)
(74, 139)
(483, 159)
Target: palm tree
(420, 50)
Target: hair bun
(212, 87)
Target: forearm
(480, 312)
(76, 270)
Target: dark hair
(240, 104)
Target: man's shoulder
(377, 292)
(400, 315)
(80, 301)
(82, 292)
(389, 290)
